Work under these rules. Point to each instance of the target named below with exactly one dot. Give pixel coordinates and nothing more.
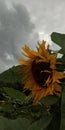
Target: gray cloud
(16, 29)
(48, 15)
(22, 20)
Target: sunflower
(40, 74)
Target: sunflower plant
(41, 104)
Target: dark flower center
(38, 72)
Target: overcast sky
(26, 22)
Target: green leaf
(50, 100)
(6, 107)
(18, 124)
(60, 67)
(63, 110)
(41, 124)
(24, 124)
(63, 58)
(15, 94)
(55, 122)
(60, 40)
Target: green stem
(63, 111)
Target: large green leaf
(24, 124)
(41, 124)
(18, 124)
(60, 40)
(13, 93)
(50, 100)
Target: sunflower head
(40, 73)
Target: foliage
(59, 39)
(12, 78)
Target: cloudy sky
(25, 22)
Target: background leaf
(13, 93)
(63, 58)
(60, 67)
(60, 40)
(12, 78)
